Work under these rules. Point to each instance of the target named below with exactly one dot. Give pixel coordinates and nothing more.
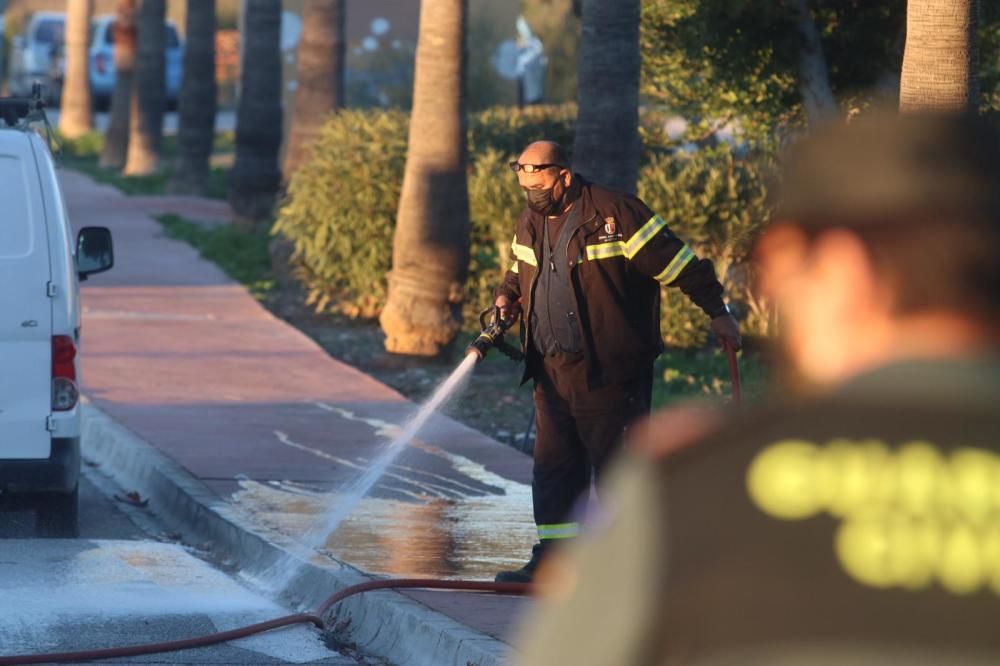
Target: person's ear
(567, 177)
(844, 264)
(779, 254)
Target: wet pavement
(63, 595)
(101, 517)
(186, 359)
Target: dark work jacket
(620, 253)
(861, 527)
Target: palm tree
(606, 146)
(149, 90)
(256, 177)
(814, 76)
(196, 133)
(320, 85)
(940, 59)
(430, 251)
(75, 117)
(116, 138)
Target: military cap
(892, 167)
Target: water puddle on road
(447, 527)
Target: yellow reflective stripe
(559, 531)
(523, 253)
(674, 268)
(644, 235)
(606, 250)
(513, 267)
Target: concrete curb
(384, 623)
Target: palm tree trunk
(116, 138)
(606, 147)
(149, 90)
(430, 250)
(256, 177)
(814, 76)
(196, 133)
(75, 116)
(320, 85)
(940, 59)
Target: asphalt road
(125, 582)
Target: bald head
(544, 152)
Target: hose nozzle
(493, 328)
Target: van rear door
(25, 306)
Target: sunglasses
(532, 168)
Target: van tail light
(65, 392)
(101, 63)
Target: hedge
(341, 206)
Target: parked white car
(41, 264)
(35, 54)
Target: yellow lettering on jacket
(912, 516)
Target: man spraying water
(588, 266)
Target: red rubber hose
(169, 646)
(734, 373)
(424, 584)
(243, 632)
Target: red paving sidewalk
(188, 360)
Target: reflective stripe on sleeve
(632, 247)
(606, 250)
(677, 264)
(523, 253)
(644, 235)
(559, 531)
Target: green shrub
(495, 203)
(340, 211)
(716, 202)
(341, 208)
(89, 144)
(509, 130)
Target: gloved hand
(508, 308)
(728, 331)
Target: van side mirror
(94, 251)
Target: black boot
(526, 573)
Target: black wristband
(721, 312)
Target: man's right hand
(508, 308)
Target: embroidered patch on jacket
(611, 231)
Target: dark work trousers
(579, 432)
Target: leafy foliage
(715, 201)
(510, 130)
(989, 56)
(340, 211)
(683, 374)
(341, 208)
(715, 59)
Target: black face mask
(542, 202)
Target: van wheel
(57, 514)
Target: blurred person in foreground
(854, 522)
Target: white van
(34, 55)
(40, 268)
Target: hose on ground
(315, 619)
(734, 374)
